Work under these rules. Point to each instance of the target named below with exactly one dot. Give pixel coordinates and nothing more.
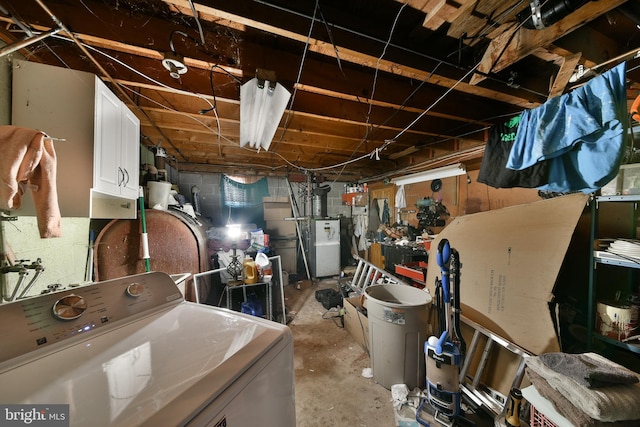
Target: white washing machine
(132, 352)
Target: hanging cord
(368, 128)
(403, 49)
(455, 281)
(439, 304)
(338, 60)
(195, 16)
(384, 51)
(214, 108)
(295, 87)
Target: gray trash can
(397, 331)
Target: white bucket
(159, 194)
(616, 320)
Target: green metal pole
(145, 239)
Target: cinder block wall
(210, 205)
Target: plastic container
(249, 271)
(159, 194)
(398, 328)
(265, 269)
(616, 320)
(252, 306)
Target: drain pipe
(103, 71)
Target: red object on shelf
(354, 199)
(416, 271)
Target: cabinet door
(130, 155)
(108, 175)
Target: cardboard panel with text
(510, 259)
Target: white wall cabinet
(99, 155)
(116, 165)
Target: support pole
(298, 231)
(145, 239)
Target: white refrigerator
(325, 247)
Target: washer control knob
(135, 289)
(69, 307)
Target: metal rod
(299, 232)
(26, 42)
(39, 270)
(590, 71)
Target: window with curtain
(244, 200)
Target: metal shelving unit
(606, 258)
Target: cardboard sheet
(355, 321)
(510, 259)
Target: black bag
(329, 298)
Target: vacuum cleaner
(444, 353)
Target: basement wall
(210, 202)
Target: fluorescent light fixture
(262, 104)
(430, 175)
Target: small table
(244, 286)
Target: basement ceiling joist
(411, 82)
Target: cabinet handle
(120, 176)
(126, 182)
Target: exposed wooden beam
(346, 54)
(509, 48)
(567, 68)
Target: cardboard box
(280, 228)
(355, 321)
(630, 182)
(287, 249)
(510, 259)
(613, 187)
(273, 199)
(276, 211)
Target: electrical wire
(195, 16)
(313, 19)
(180, 91)
(212, 105)
(295, 88)
(449, 90)
(369, 131)
(377, 69)
(376, 151)
(304, 169)
(401, 48)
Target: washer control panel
(59, 318)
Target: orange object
(634, 109)
(250, 270)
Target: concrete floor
(329, 386)
(330, 389)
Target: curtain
(239, 195)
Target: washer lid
(125, 376)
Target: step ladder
(473, 369)
(367, 274)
